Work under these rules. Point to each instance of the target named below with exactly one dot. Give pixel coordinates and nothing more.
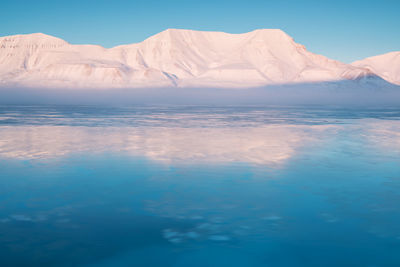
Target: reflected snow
(196, 186)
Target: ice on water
(162, 186)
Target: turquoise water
(199, 186)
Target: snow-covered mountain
(182, 58)
(386, 66)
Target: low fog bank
(348, 94)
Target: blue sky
(346, 30)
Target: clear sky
(345, 30)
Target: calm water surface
(199, 186)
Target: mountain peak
(30, 39)
(386, 65)
(270, 31)
(174, 57)
(265, 32)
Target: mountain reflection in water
(199, 186)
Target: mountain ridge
(171, 58)
(386, 66)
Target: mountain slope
(386, 66)
(182, 58)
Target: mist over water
(340, 93)
(199, 185)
